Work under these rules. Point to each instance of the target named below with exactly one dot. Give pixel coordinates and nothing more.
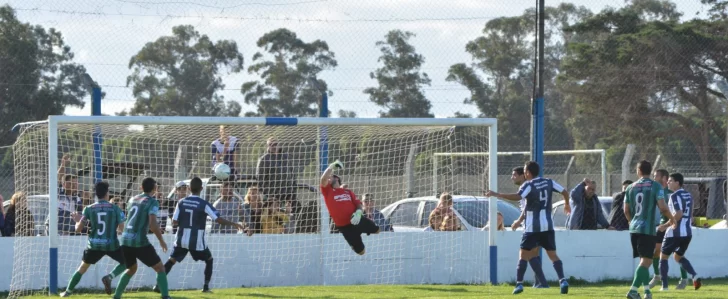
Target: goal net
(294, 243)
(568, 167)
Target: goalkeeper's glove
(337, 165)
(356, 217)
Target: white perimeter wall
(400, 258)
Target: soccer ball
(222, 171)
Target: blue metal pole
(324, 150)
(97, 138)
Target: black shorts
(179, 254)
(678, 245)
(659, 237)
(147, 254)
(352, 233)
(91, 256)
(547, 240)
(642, 245)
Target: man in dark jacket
(275, 175)
(616, 216)
(586, 210)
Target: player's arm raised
(326, 176)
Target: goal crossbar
(601, 152)
(53, 123)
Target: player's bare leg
(697, 282)
(75, 279)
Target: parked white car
(411, 214)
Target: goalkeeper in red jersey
(345, 209)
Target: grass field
(711, 289)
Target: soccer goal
(562, 166)
(293, 243)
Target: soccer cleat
(564, 286)
(663, 289)
(633, 295)
(655, 280)
(697, 283)
(106, 280)
(518, 289)
(540, 286)
(156, 289)
(65, 294)
(682, 284)
(206, 289)
(648, 295)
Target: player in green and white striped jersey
(641, 200)
(105, 219)
(142, 212)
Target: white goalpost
(293, 243)
(601, 152)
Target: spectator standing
(226, 150)
(181, 190)
(275, 175)
(19, 222)
(586, 211)
(371, 212)
(443, 217)
(230, 206)
(616, 216)
(164, 208)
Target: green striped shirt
(641, 198)
(137, 221)
(664, 219)
(104, 218)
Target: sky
(105, 34)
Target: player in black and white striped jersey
(679, 232)
(190, 217)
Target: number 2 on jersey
(132, 214)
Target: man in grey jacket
(586, 210)
(275, 175)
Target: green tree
(180, 75)
(37, 74)
(650, 79)
(501, 78)
(400, 80)
(346, 114)
(285, 89)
